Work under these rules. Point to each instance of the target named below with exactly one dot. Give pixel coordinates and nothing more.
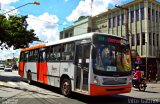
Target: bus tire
(66, 87)
(29, 77)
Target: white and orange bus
(93, 64)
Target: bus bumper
(96, 90)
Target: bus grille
(114, 81)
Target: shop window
(142, 13)
(137, 15)
(143, 38)
(132, 16)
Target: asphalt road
(15, 90)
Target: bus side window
(67, 51)
(58, 52)
(47, 54)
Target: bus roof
(78, 37)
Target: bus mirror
(93, 45)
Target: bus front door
(83, 53)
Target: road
(15, 90)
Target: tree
(14, 32)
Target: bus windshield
(111, 54)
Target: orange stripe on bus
(42, 72)
(33, 47)
(21, 69)
(108, 90)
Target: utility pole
(126, 21)
(91, 13)
(146, 62)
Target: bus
(93, 64)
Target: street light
(36, 3)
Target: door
(23, 60)
(42, 70)
(82, 66)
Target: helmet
(137, 68)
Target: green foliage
(14, 32)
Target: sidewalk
(153, 82)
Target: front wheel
(142, 87)
(66, 87)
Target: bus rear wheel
(29, 78)
(66, 87)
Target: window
(53, 53)
(156, 16)
(149, 13)
(138, 39)
(33, 56)
(153, 39)
(143, 38)
(67, 51)
(142, 13)
(133, 40)
(22, 56)
(109, 22)
(122, 19)
(150, 39)
(132, 16)
(118, 20)
(66, 35)
(114, 21)
(42, 55)
(71, 35)
(157, 39)
(61, 36)
(137, 15)
(159, 15)
(152, 14)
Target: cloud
(64, 23)
(84, 8)
(8, 54)
(8, 1)
(45, 26)
(5, 6)
(66, 0)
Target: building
(82, 25)
(139, 22)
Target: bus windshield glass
(111, 54)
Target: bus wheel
(29, 77)
(66, 87)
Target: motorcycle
(141, 85)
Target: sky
(51, 16)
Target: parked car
(2, 67)
(8, 68)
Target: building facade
(141, 18)
(81, 26)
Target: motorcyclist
(137, 75)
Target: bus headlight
(129, 80)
